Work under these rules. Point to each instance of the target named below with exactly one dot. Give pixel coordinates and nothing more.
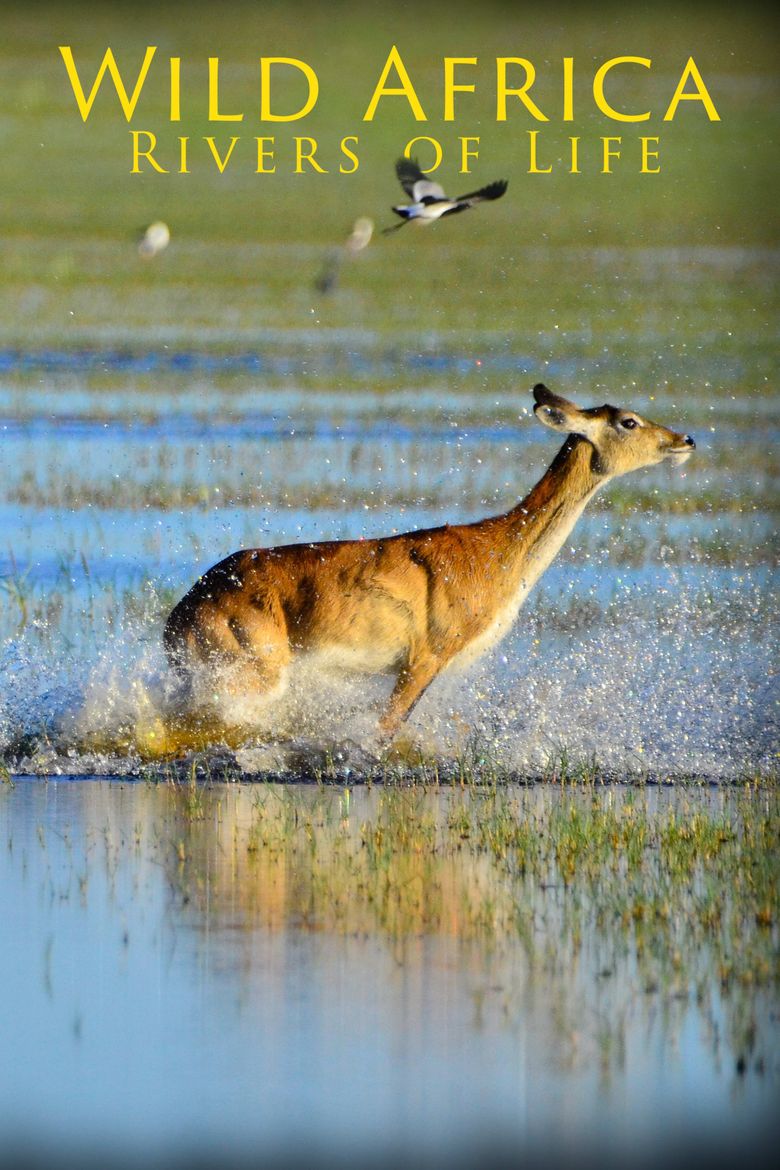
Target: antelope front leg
(410, 685)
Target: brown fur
(407, 604)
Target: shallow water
(646, 647)
(180, 980)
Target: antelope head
(622, 440)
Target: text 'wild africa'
(512, 86)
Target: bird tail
(492, 191)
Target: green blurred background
(682, 257)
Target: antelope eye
(628, 423)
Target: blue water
(150, 1018)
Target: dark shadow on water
(757, 1151)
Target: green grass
(222, 492)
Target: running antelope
(410, 605)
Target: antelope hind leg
(228, 684)
(242, 690)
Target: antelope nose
(689, 441)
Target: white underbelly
(338, 658)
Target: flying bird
(360, 236)
(154, 240)
(428, 199)
(358, 239)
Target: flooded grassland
(647, 648)
(389, 974)
(544, 926)
(412, 957)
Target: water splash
(640, 687)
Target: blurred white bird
(155, 239)
(360, 236)
(358, 239)
(429, 201)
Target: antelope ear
(561, 415)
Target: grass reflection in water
(665, 893)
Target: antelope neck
(538, 526)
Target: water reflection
(318, 973)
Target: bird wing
(424, 191)
(408, 174)
(492, 191)
(414, 182)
